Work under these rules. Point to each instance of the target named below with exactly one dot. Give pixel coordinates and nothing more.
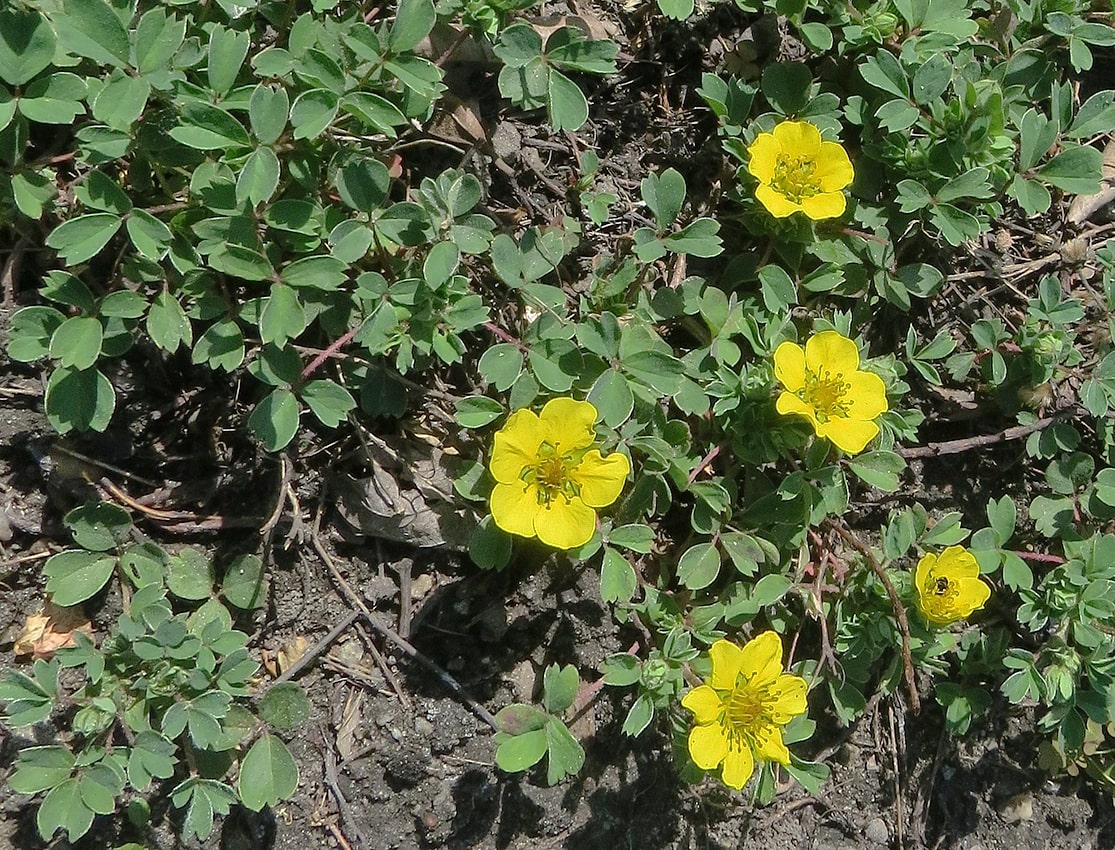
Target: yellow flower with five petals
(549, 478)
(949, 586)
(797, 171)
(740, 710)
(823, 383)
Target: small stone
(420, 586)
(876, 831)
(1020, 807)
(423, 727)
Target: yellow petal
(849, 435)
(516, 446)
(601, 478)
(739, 764)
(787, 698)
(777, 205)
(789, 366)
(763, 157)
(726, 660)
(570, 423)
(514, 507)
(798, 138)
(789, 404)
(769, 745)
(565, 525)
(831, 351)
(974, 594)
(833, 168)
(761, 659)
(705, 704)
(956, 562)
(925, 568)
(708, 745)
(824, 205)
(866, 395)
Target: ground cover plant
(281, 273)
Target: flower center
(941, 592)
(552, 474)
(826, 393)
(794, 177)
(744, 709)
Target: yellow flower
(741, 709)
(949, 587)
(825, 384)
(549, 478)
(798, 171)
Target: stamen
(552, 475)
(826, 394)
(793, 177)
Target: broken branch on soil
(896, 603)
(952, 447)
(406, 646)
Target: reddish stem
(333, 348)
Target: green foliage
(174, 684)
(527, 733)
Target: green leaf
(26, 45)
(659, 371)
(878, 469)
(31, 331)
(477, 411)
(41, 768)
(90, 28)
(612, 396)
(120, 103)
(267, 113)
(786, 86)
(970, 184)
(769, 589)
(559, 687)
(567, 756)
(149, 235)
(81, 238)
(168, 324)
(363, 183)
(259, 178)
(489, 547)
(77, 342)
(79, 399)
(227, 51)
(699, 566)
(245, 585)
(285, 706)
(664, 194)
(376, 112)
(208, 127)
(1076, 170)
(639, 716)
(1096, 115)
(312, 112)
(221, 346)
(617, 578)
(1032, 196)
(932, 78)
(99, 526)
(897, 115)
(883, 71)
(63, 808)
(75, 575)
(283, 317)
(321, 272)
(499, 365)
(201, 798)
(636, 537)
(189, 575)
(157, 40)
(413, 21)
(152, 757)
(516, 753)
(565, 103)
(329, 401)
(268, 774)
(275, 419)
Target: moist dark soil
(391, 756)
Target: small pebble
(876, 831)
(1020, 807)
